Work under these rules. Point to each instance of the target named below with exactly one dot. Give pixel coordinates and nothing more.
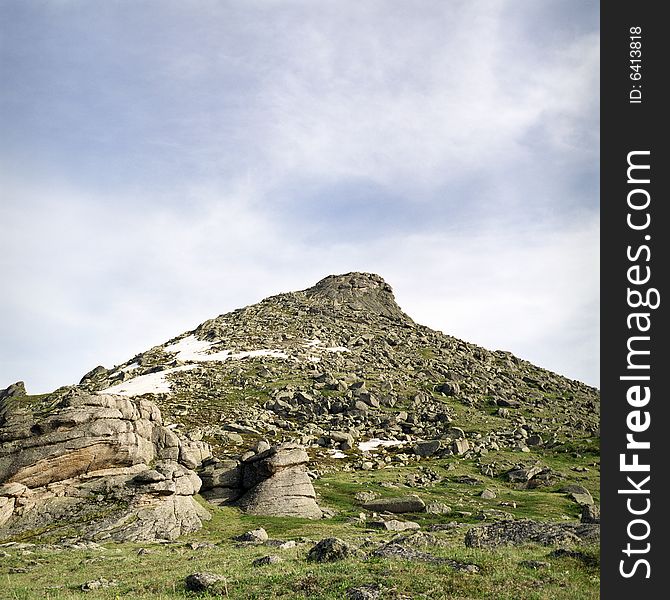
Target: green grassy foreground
(155, 571)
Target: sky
(166, 161)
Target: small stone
(255, 536)
(262, 446)
(205, 582)
(99, 584)
(364, 592)
(535, 564)
(460, 446)
(488, 494)
(438, 508)
(271, 559)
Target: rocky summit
(327, 403)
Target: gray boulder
(276, 483)
(394, 525)
(427, 448)
(330, 550)
(85, 459)
(515, 533)
(402, 504)
(205, 582)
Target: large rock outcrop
(95, 466)
(272, 483)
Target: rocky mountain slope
(399, 447)
(253, 406)
(340, 363)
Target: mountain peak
(360, 292)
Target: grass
(160, 573)
(45, 572)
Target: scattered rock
(365, 496)
(255, 536)
(365, 592)
(331, 549)
(515, 533)
(271, 559)
(206, 582)
(438, 508)
(401, 504)
(394, 525)
(535, 564)
(99, 584)
(488, 494)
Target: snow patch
(375, 443)
(337, 454)
(191, 348)
(151, 383)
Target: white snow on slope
(189, 348)
(192, 349)
(375, 443)
(151, 383)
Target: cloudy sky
(166, 161)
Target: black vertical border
(627, 127)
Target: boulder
(394, 525)
(270, 559)
(401, 504)
(364, 592)
(330, 550)
(85, 459)
(205, 582)
(438, 508)
(523, 474)
(590, 513)
(427, 448)
(460, 446)
(515, 533)
(255, 536)
(276, 483)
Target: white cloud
(178, 171)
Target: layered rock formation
(96, 466)
(273, 482)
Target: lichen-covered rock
(515, 533)
(330, 550)
(205, 582)
(401, 504)
(86, 460)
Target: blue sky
(162, 162)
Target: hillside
(425, 455)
